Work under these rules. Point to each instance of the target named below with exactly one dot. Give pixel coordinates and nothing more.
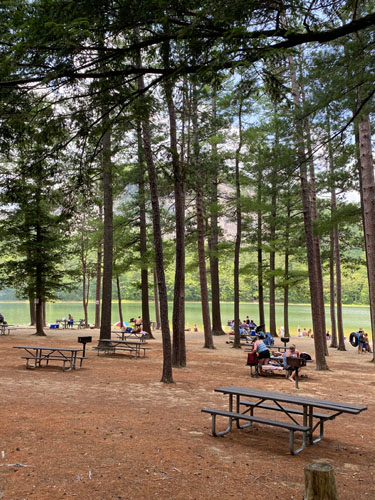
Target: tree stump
(320, 482)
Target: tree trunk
(335, 262)
(237, 245)
(143, 238)
(315, 290)
(367, 187)
(98, 276)
(84, 274)
(167, 376)
(320, 482)
(272, 263)
(105, 327)
(286, 270)
(178, 317)
(217, 328)
(260, 252)
(156, 301)
(119, 301)
(208, 340)
(32, 309)
(314, 215)
(332, 290)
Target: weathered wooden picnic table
(4, 328)
(130, 335)
(304, 414)
(134, 347)
(36, 355)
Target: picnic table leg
(297, 378)
(311, 422)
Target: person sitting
(2, 319)
(304, 333)
(70, 321)
(252, 325)
(138, 321)
(247, 320)
(367, 343)
(290, 353)
(262, 351)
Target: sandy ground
(112, 431)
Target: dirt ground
(112, 431)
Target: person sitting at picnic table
(70, 320)
(138, 321)
(262, 351)
(2, 319)
(291, 353)
(247, 320)
(252, 325)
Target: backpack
(305, 356)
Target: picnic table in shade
(303, 414)
(4, 328)
(130, 334)
(37, 355)
(133, 347)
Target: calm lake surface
(353, 316)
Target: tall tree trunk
(286, 269)
(98, 276)
(335, 255)
(260, 251)
(84, 274)
(143, 238)
(237, 245)
(314, 215)
(320, 342)
(217, 328)
(156, 301)
(167, 376)
(208, 340)
(178, 317)
(272, 263)
(367, 187)
(119, 300)
(105, 327)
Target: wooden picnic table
(36, 355)
(134, 347)
(303, 413)
(130, 335)
(4, 327)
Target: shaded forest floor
(113, 431)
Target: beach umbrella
(119, 324)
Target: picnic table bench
(307, 409)
(133, 347)
(4, 328)
(37, 355)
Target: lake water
(353, 316)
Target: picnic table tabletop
(292, 398)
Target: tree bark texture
(237, 244)
(272, 264)
(178, 316)
(167, 376)
(119, 302)
(367, 186)
(208, 340)
(143, 237)
(105, 327)
(156, 301)
(98, 276)
(217, 327)
(320, 482)
(260, 252)
(32, 309)
(320, 343)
